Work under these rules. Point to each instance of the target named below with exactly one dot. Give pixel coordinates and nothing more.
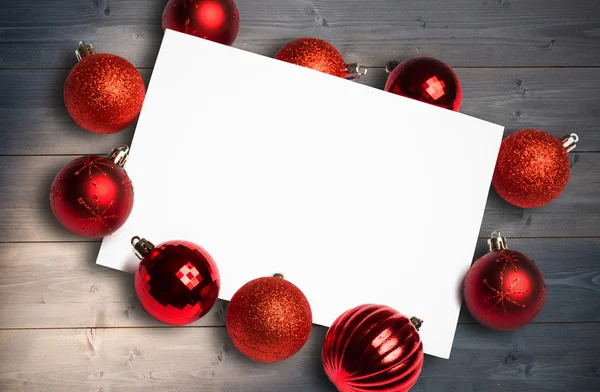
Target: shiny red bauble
(92, 196)
(533, 167)
(373, 348)
(269, 319)
(428, 80)
(103, 93)
(504, 289)
(215, 20)
(177, 282)
(313, 53)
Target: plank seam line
(104, 153)
(367, 66)
(591, 237)
(222, 326)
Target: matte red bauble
(373, 348)
(92, 196)
(533, 167)
(504, 289)
(215, 20)
(269, 319)
(319, 55)
(427, 80)
(177, 282)
(103, 93)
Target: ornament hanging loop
(497, 242)
(569, 141)
(119, 155)
(141, 246)
(278, 275)
(355, 71)
(417, 322)
(84, 50)
(391, 65)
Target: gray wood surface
(203, 359)
(34, 120)
(57, 285)
(25, 214)
(67, 325)
(461, 32)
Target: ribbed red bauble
(177, 282)
(215, 20)
(319, 55)
(533, 167)
(269, 319)
(373, 348)
(92, 196)
(103, 93)
(425, 79)
(504, 289)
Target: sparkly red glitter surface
(104, 93)
(372, 347)
(215, 20)
(313, 53)
(269, 319)
(532, 168)
(427, 80)
(504, 290)
(177, 282)
(92, 196)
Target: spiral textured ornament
(313, 53)
(504, 289)
(215, 20)
(92, 196)
(533, 167)
(103, 93)
(428, 80)
(269, 319)
(373, 348)
(177, 282)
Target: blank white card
(356, 195)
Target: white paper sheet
(356, 195)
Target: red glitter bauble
(504, 289)
(177, 282)
(215, 20)
(92, 196)
(373, 348)
(313, 53)
(103, 93)
(269, 319)
(532, 168)
(427, 80)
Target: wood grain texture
(67, 325)
(33, 118)
(461, 32)
(25, 213)
(203, 359)
(57, 285)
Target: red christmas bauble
(103, 93)
(373, 348)
(215, 20)
(92, 196)
(269, 319)
(427, 80)
(532, 167)
(504, 289)
(177, 282)
(313, 53)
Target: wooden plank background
(68, 325)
